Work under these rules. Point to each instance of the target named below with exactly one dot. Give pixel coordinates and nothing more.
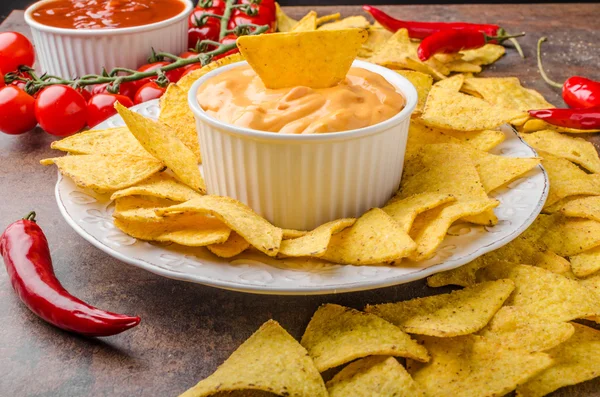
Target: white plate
(91, 216)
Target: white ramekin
(70, 53)
(302, 181)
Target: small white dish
(70, 53)
(300, 181)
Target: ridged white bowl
(71, 53)
(300, 181)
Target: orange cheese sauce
(105, 14)
(239, 97)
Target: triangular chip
(307, 23)
(567, 180)
(483, 140)
(461, 312)
(419, 135)
(111, 141)
(395, 50)
(544, 293)
(337, 335)
(106, 172)
(284, 22)
(376, 376)
(160, 185)
(584, 207)
(575, 361)
(329, 18)
(315, 242)
(422, 83)
(586, 263)
(270, 361)
(452, 83)
(571, 236)
(485, 55)
(507, 92)
(404, 211)
(462, 66)
(533, 125)
(446, 108)
(176, 113)
(356, 21)
(239, 217)
(376, 39)
(162, 143)
(497, 171)
(189, 79)
(576, 150)
(316, 59)
(373, 239)
(234, 245)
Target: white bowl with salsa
(78, 37)
(301, 157)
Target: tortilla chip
(462, 66)
(446, 108)
(307, 23)
(420, 135)
(544, 293)
(497, 171)
(329, 18)
(111, 141)
(472, 365)
(189, 79)
(337, 335)
(452, 83)
(357, 21)
(461, 312)
(395, 51)
(483, 140)
(507, 92)
(373, 239)
(533, 125)
(280, 59)
(284, 22)
(234, 245)
(314, 243)
(567, 180)
(375, 40)
(575, 361)
(432, 67)
(587, 207)
(291, 233)
(586, 263)
(141, 209)
(176, 113)
(105, 172)
(376, 376)
(576, 150)
(571, 236)
(422, 83)
(160, 185)
(162, 143)
(270, 361)
(485, 55)
(404, 211)
(238, 216)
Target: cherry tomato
(191, 68)
(60, 110)
(85, 94)
(199, 12)
(2, 83)
(102, 106)
(17, 111)
(229, 39)
(172, 75)
(15, 50)
(265, 15)
(188, 55)
(149, 91)
(209, 31)
(128, 89)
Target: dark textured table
(188, 329)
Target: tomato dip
(105, 14)
(239, 97)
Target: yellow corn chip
(376, 376)
(576, 150)
(239, 217)
(533, 125)
(584, 207)
(575, 361)
(329, 18)
(461, 312)
(160, 185)
(472, 365)
(111, 141)
(291, 233)
(462, 66)
(162, 143)
(140, 209)
(496, 171)
(432, 67)
(373, 239)
(586, 263)
(567, 180)
(234, 245)
(176, 113)
(188, 80)
(420, 135)
(106, 172)
(307, 23)
(396, 52)
(485, 55)
(314, 243)
(544, 293)
(483, 140)
(422, 83)
(284, 22)
(452, 83)
(270, 361)
(446, 108)
(507, 92)
(357, 21)
(404, 211)
(337, 335)
(375, 40)
(571, 236)
(280, 58)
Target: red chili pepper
(581, 119)
(452, 41)
(29, 265)
(577, 92)
(421, 30)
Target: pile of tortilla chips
(512, 330)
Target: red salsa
(106, 14)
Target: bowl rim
(402, 84)
(103, 32)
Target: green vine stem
(226, 17)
